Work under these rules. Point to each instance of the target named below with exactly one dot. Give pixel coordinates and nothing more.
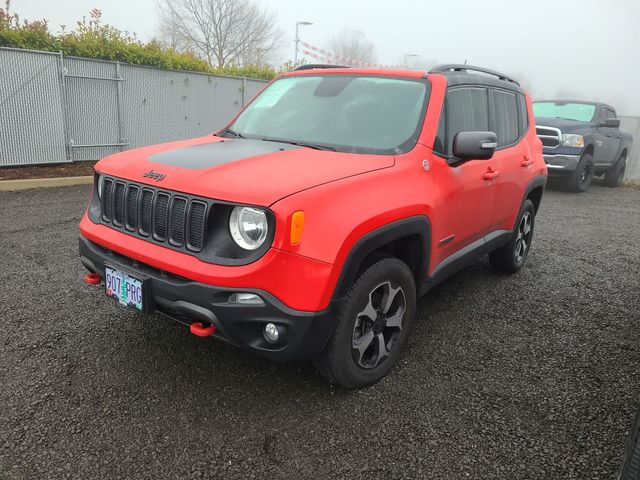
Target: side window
(504, 115)
(611, 114)
(603, 114)
(467, 111)
(523, 114)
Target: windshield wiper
(315, 146)
(233, 133)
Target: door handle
(526, 162)
(490, 174)
(609, 135)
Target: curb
(27, 183)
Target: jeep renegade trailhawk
(308, 227)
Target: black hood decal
(212, 154)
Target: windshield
(581, 112)
(359, 114)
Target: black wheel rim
(587, 173)
(378, 326)
(523, 236)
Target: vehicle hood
(237, 170)
(562, 123)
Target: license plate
(124, 288)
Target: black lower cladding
(303, 334)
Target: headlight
(572, 140)
(248, 227)
(100, 182)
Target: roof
(455, 74)
(583, 102)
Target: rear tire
(374, 321)
(510, 257)
(615, 175)
(580, 180)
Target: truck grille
(163, 216)
(550, 136)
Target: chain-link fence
(56, 109)
(632, 125)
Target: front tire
(510, 257)
(374, 321)
(615, 175)
(580, 180)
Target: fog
(580, 49)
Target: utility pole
(297, 41)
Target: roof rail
(466, 68)
(314, 66)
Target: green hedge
(91, 39)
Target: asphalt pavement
(535, 375)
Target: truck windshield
(581, 112)
(349, 113)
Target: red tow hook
(93, 278)
(202, 329)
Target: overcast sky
(587, 49)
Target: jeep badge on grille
(154, 175)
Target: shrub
(93, 39)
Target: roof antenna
(465, 61)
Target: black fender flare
(372, 241)
(535, 182)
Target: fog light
(271, 333)
(245, 299)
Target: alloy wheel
(587, 173)
(523, 236)
(378, 326)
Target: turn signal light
(297, 226)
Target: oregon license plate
(124, 288)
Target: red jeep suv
(308, 227)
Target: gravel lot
(531, 376)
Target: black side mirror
(611, 123)
(474, 145)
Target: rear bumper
(303, 334)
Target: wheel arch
(535, 189)
(588, 150)
(408, 239)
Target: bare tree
(353, 45)
(223, 32)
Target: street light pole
(297, 41)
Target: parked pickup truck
(580, 140)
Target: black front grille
(165, 216)
(196, 225)
(549, 136)
(107, 199)
(178, 210)
(161, 216)
(146, 206)
(132, 207)
(118, 204)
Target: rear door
(509, 120)
(611, 138)
(466, 198)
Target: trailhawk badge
(154, 175)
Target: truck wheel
(374, 321)
(510, 257)
(580, 180)
(615, 175)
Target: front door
(466, 192)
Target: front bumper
(561, 163)
(303, 334)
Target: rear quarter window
(504, 115)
